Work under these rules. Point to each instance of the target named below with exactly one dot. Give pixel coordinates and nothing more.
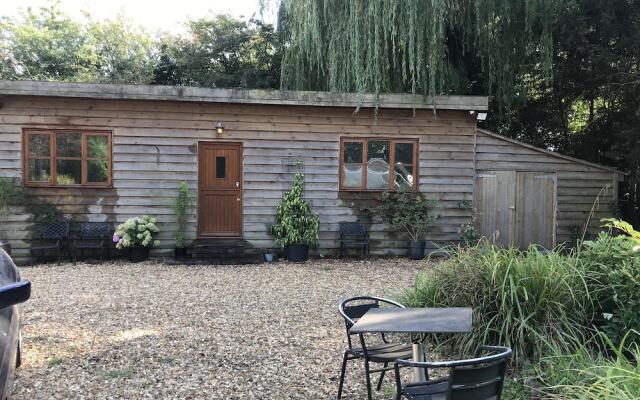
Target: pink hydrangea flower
(116, 238)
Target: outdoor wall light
(220, 128)
(482, 116)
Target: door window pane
(39, 145)
(352, 165)
(97, 146)
(97, 171)
(220, 167)
(378, 164)
(69, 172)
(69, 144)
(39, 170)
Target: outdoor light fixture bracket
(220, 128)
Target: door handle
(237, 184)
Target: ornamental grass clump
(524, 300)
(137, 232)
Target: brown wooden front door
(220, 189)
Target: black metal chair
(479, 378)
(382, 352)
(94, 236)
(353, 234)
(51, 238)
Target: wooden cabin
(104, 152)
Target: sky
(154, 15)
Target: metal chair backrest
(54, 231)
(482, 378)
(352, 309)
(352, 229)
(95, 230)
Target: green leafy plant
(525, 300)
(469, 234)
(295, 223)
(182, 203)
(11, 193)
(621, 227)
(614, 277)
(46, 213)
(137, 232)
(407, 211)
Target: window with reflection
(67, 158)
(378, 164)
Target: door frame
(240, 146)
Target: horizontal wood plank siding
(155, 148)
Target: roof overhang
(238, 95)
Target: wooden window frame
(84, 158)
(392, 142)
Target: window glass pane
(404, 176)
(39, 170)
(97, 146)
(39, 145)
(378, 164)
(220, 167)
(97, 171)
(68, 172)
(404, 153)
(352, 165)
(68, 145)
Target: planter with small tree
(180, 207)
(136, 234)
(11, 193)
(296, 226)
(408, 211)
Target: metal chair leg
(381, 377)
(367, 375)
(342, 374)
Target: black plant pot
(138, 254)
(180, 253)
(6, 246)
(416, 250)
(298, 252)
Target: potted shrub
(296, 226)
(180, 207)
(136, 234)
(408, 211)
(11, 193)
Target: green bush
(407, 211)
(613, 269)
(525, 300)
(180, 207)
(295, 222)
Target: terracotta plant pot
(138, 254)
(416, 249)
(298, 252)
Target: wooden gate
(516, 208)
(220, 190)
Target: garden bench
(52, 237)
(353, 234)
(94, 236)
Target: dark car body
(13, 291)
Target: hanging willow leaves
(417, 46)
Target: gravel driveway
(154, 331)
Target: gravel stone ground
(156, 331)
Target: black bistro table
(415, 320)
